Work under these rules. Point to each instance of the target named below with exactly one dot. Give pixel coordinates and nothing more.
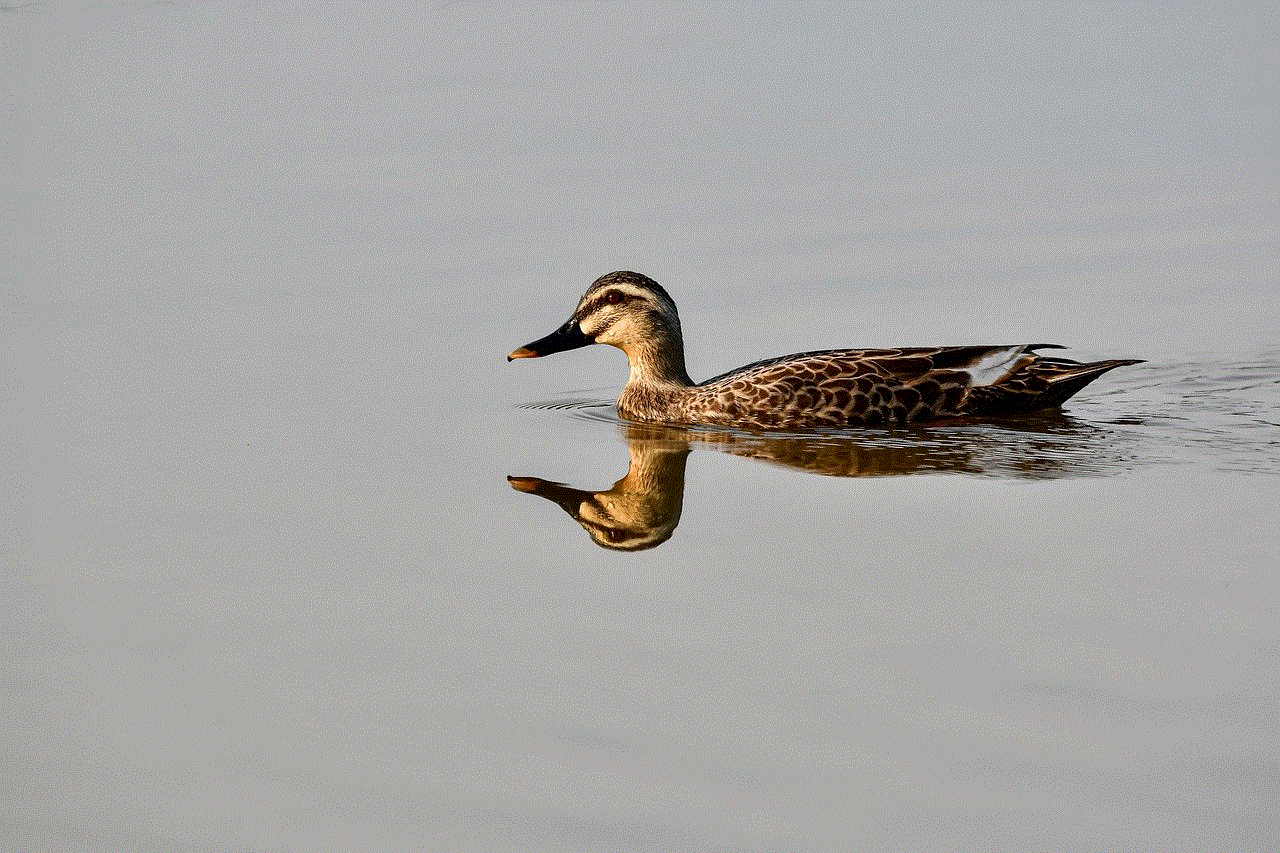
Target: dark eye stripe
(602, 300)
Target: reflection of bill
(643, 508)
(640, 511)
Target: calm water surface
(293, 560)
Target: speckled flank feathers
(827, 388)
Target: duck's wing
(902, 384)
(1000, 379)
(985, 363)
(848, 386)
(1039, 383)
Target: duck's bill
(567, 337)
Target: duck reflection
(643, 508)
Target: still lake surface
(293, 560)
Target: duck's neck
(658, 381)
(657, 361)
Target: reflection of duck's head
(640, 511)
(643, 508)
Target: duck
(832, 388)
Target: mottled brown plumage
(826, 388)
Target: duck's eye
(613, 297)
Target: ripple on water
(593, 408)
(1221, 412)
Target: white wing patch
(995, 365)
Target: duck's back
(834, 388)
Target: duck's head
(624, 309)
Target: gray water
(293, 560)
